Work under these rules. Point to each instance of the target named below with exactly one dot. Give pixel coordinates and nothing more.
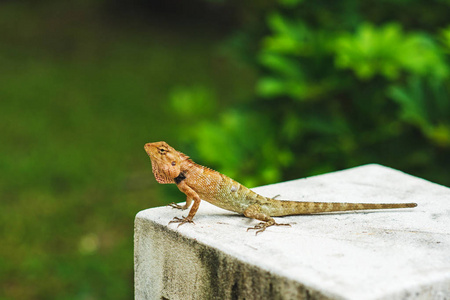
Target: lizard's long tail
(305, 208)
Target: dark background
(263, 91)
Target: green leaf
(194, 100)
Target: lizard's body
(199, 182)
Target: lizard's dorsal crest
(183, 156)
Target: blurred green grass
(80, 94)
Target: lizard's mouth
(151, 151)
(148, 148)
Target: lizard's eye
(162, 151)
(174, 163)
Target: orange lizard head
(165, 161)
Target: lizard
(197, 182)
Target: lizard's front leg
(183, 207)
(191, 195)
(254, 212)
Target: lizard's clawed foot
(263, 225)
(177, 206)
(182, 220)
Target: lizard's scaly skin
(199, 182)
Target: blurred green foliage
(82, 89)
(388, 52)
(340, 84)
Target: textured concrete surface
(388, 254)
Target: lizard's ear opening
(173, 170)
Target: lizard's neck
(180, 177)
(191, 169)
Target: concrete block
(386, 254)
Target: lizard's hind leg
(254, 212)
